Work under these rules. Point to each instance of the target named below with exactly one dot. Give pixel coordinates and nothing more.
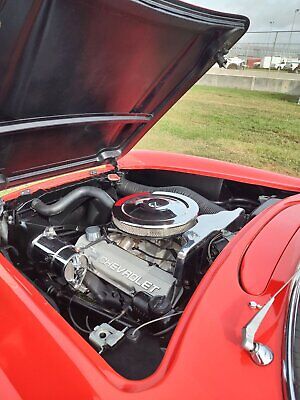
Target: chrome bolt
(25, 192)
(253, 304)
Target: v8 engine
(139, 253)
(145, 249)
(121, 263)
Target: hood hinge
(115, 175)
(114, 163)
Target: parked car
(256, 64)
(279, 66)
(133, 274)
(235, 63)
(292, 66)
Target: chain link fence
(277, 46)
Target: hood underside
(83, 81)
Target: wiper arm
(69, 120)
(260, 353)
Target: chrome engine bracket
(205, 226)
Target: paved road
(255, 72)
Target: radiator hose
(126, 187)
(81, 193)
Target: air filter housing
(155, 215)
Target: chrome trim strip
(290, 337)
(75, 119)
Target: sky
(260, 12)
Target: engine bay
(119, 260)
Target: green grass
(251, 128)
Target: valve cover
(125, 271)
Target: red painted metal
(270, 244)
(111, 57)
(156, 160)
(42, 357)
(147, 159)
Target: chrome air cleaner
(155, 215)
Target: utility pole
(293, 25)
(270, 35)
(273, 49)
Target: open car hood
(83, 81)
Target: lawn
(251, 128)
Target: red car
(134, 275)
